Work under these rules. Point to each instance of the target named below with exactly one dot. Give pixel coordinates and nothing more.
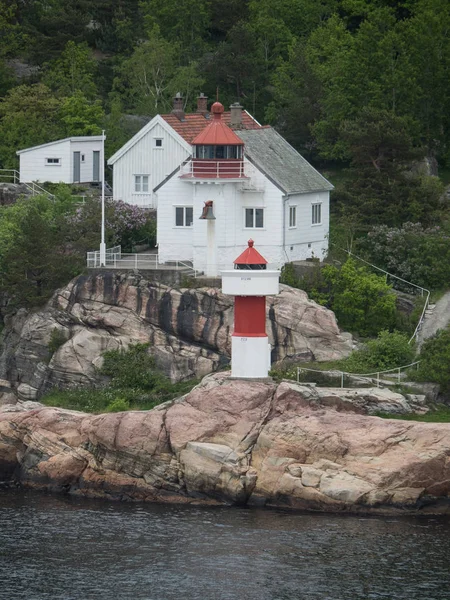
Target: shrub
(388, 351)
(57, 339)
(118, 405)
(362, 301)
(435, 361)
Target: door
(76, 167)
(96, 165)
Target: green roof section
(269, 151)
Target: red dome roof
(250, 256)
(217, 133)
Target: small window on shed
(158, 143)
(82, 158)
(52, 161)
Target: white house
(161, 146)
(71, 160)
(238, 184)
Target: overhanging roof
(80, 138)
(281, 163)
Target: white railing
(198, 168)
(13, 176)
(111, 256)
(116, 259)
(371, 377)
(423, 291)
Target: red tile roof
(194, 123)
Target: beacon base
(250, 357)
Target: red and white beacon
(250, 282)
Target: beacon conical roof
(217, 133)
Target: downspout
(285, 197)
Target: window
(82, 158)
(141, 183)
(254, 217)
(218, 152)
(53, 161)
(184, 216)
(316, 214)
(292, 216)
(158, 143)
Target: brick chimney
(236, 116)
(178, 108)
(202, 104)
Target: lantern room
(217, 152)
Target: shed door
(76, 167)
(96, 166)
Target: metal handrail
(370, 376)
(32, 186)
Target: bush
(435, 361)
(134, 383)
(388, 351)
(57, 339)
(362, 301)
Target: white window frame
(316, 213)
(52, 161)
(254, 209)
(140, 182)
(158, 139)
(184, 207)
(293, 213)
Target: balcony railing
(198, 168)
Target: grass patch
(439, 414)
(134, 384)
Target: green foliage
(73, 71)
(28, 117)
(387, 351)
(438, 414)
(57, 339)
(362, 301)
(435, 360)
(134, 383)
(415, 253)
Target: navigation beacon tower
(250, 282)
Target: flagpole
(102, 172)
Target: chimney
(202, 104)
(236, 116)
(178, 109)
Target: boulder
(188, 331)
(234, 441)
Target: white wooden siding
(307, 240)
(33, 166)
(144, 158)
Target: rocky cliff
(188, 329)
(256, 443)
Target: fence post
(342, 379)
(378, 379)
(399, 374)
(135, 261)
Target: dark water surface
(62, 548)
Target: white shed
(71, 160)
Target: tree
(80, 116)
(72, 72)
(28, 117)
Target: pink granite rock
(235, 441)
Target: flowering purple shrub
(420, 255)
(125, 224)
